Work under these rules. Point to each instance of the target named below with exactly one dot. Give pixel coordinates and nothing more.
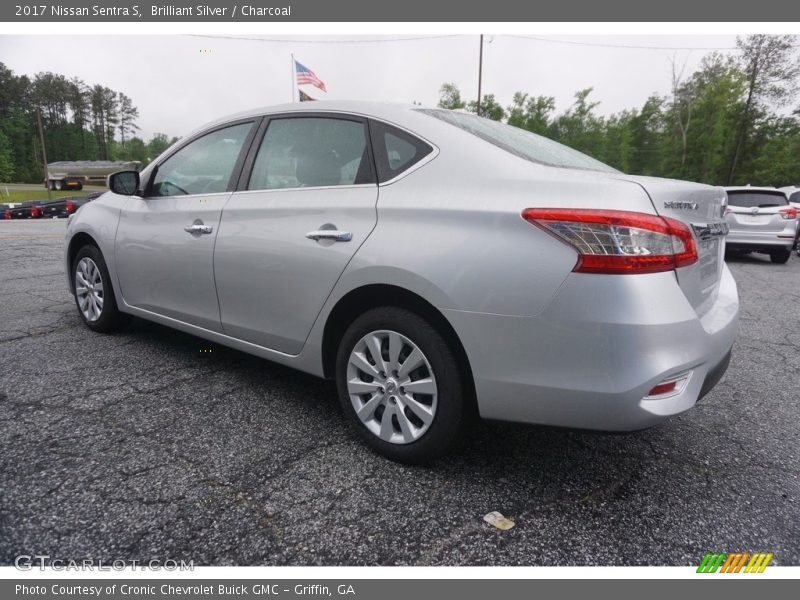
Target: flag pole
(293, 76)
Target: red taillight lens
(618, 241)
(7, 215)
(35, 212)
(788, 213)
(69, 206)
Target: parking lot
(156, 444)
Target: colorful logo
(735, 563)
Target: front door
(165, 241)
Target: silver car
(761, 219)
(437, 265)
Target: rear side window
(795, 197)
(395, 150)
(756, 199)
(312, 152)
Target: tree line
(80, 122)
(730, 122)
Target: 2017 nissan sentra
(436, 264)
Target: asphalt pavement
(155, 444)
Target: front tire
(94, 294)
(780, 256)
(400, 386)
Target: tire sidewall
(449, 419)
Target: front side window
(302, 152)
(204, 166)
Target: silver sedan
(438, 266)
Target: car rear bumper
(592, 356)
(739, 238)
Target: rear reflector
(669, 387)
(618, 241)
(663, 388)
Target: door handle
(330, 234)
(198, 228)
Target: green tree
(6, 159)
(771, 68)
(157, 144)
(533, 113)
(450, 96)
(490, 108)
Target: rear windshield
(759, 199)
(519, 142)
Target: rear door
(165, 240)
(306, 202)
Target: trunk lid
(701, 207)
(756, 210)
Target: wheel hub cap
(392, 387)
(89, 289)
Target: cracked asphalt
(140, 445)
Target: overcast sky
(180, 82)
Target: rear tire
(94, 293)
(780, 256)
(425, 423)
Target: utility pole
(480, 75)
(44, 153)
(294, 76)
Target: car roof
(389, 111)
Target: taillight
(618, 241)
(36, 212)
(69, 206)
(7, 215)
(788, 213)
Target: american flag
(307, 76)
(305, 97)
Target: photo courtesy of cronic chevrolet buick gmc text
(436, 264)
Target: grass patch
(15, 196)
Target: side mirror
(125, 183)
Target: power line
(335, 41)
(633, 47)
(462, 35)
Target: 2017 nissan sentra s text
(436, 264)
